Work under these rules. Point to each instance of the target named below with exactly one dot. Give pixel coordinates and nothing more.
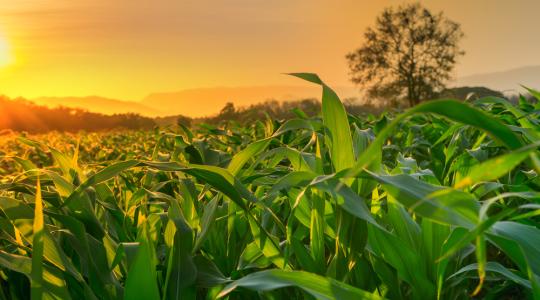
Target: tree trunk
(410, 91)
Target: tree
(184, 121)
(228, 111)
(409, 54)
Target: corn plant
(438, 202)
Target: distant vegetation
(282, 110)
(22, 115)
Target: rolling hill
(209, 101)
(100, 105)
(506, 81)
(202, 102)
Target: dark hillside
(22, 115)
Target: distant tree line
(22, 115)
(281, 110)
(287, 109)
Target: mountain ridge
(201, 102)
(207, 101)
(507, 81)
(104, 105)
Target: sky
(127, 49)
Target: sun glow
(5, 54)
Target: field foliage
(439, 202)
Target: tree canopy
(408, 55)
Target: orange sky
(127, 49)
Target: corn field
(439, 202)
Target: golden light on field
(6, 57)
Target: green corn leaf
(404, 259)
(141, 280)
(318, 286)
(36, 275)
(242, 157)
(495, 267)
(54, 285)
(454, 110)
(496, 167)
(335, 119)
(440, 204)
